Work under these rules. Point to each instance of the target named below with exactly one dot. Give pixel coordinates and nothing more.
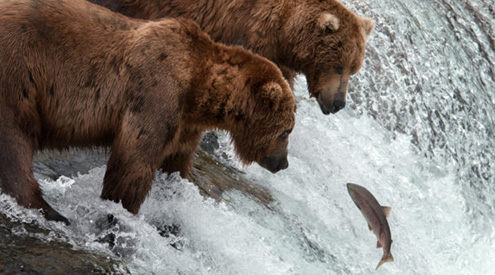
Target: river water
(417, 132)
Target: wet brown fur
(291, 33)
(74, 74)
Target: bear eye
(285, 134)
(339, 69)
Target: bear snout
(274, 163)
(328, 106)
(330, 92)
(338, 105)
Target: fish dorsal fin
(386, 210)
(378, 244)
(369, 226)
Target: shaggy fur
(76, 74)
(319, 38)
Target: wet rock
(168, 230)
(53, 164)
(24, 254)
(209, 143)
(214, 178)
(172, 232)
(111, 231)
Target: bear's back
(75, 66)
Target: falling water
(417, 132)
(431, 76)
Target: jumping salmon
(376, 216)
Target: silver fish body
(376, 216)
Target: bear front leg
(179, 162)
(16, 170)
(137, 153)
(127, 180)
(182, 159)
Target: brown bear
(75, 74)
(320, 38)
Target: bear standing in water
(74, 74)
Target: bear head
(263, 120)
(327, 43)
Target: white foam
(405, 136)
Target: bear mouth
(329, 107)
(274, 164)
(319, 98)
(323, 107)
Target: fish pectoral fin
(378, 244)
(369, 226)
(386, 210)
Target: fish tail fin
(386, 258)
(386, 210)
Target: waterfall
(418, 132)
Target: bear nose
(337, 106)
(283, 164)
(274, 164)
(327, 105)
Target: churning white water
(417, 132)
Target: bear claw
(53, 215)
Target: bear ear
(368, 25)
(273, 92)
(328, 22)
